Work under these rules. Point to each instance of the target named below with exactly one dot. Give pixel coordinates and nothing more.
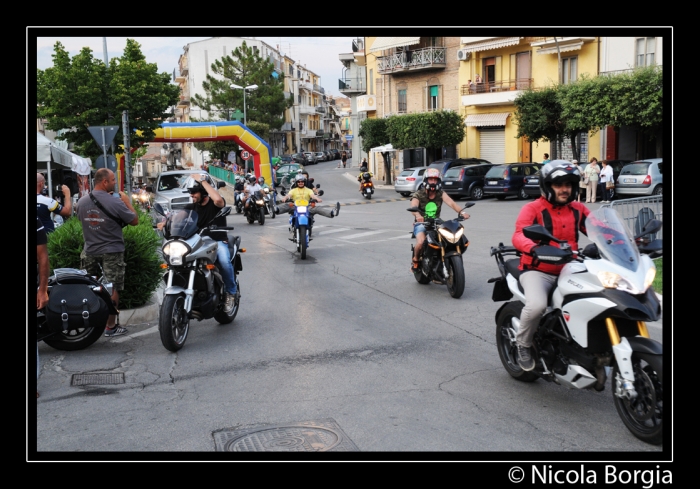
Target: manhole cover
(97, 379)
(307, 436)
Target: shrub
(143, 272)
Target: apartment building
(353, 84)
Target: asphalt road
(344, 344)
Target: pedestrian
(344, 158)
(103, 213)
(546, 159)
(606, 181)
(578, 167)
(592, 171)
(45, 205)
(42, 291)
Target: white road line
(331, 231)
(121, 339)
(360, 235)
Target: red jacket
(563, 221)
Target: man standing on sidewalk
(103, 213)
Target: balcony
(306, 85)
(319, 89)
(494, 93)
(307, 110)
(349, 86)
(412, 60)
(184, 99)
(319, 134)
(321, 110)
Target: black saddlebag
(75, 306)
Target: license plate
(628, 180)
(449, 183)
(492, 182)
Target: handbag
(585, 180)
(610, 184)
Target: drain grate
(97, 379)
(307, 436)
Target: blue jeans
(223, 257)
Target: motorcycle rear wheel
(227, 316)
(507, 351)
(643, 415)
(418, 274)
(173, 323)
(455, 276)
(74, 340)
(302, 236)
(272, 211)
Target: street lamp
(249, 87)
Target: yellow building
(495, 70)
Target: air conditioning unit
(463, 55)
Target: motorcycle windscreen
(181, 224)
(614, 241)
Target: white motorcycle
(596, 318)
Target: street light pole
(249, 87)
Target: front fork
(189, 292)
(624, 386)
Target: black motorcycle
(78, 309)
(440, 260)
(256, 209)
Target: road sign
(103, 135)
(245, 155)
(111, 162)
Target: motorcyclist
(557, 211)
(207, 201)
(363, 169)
(250, 189)
(429, 200)
(301, 191)
(238, 189)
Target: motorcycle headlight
(259, 202)
(301, 209)
(649, 278)
(611, 280)
(175, 251)
(449, 237)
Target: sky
(319, 54)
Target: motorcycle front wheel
(507, 350)
(272, 211)
(303, 238)
(261, 217)
(173, 323)
(455, 276)
(642, 415)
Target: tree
(373, 133)
(245, 67)
(428, 129)
(80, 92)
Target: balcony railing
(357, 84)
(321, 110)
(319, 89)
(412, 60)
(501, 86)
(358, 45)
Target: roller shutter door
(492, 144)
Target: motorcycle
(440, 260)
(595, 320)
(194, 286)
(256, 208)
(78, 309)
(269, 202)
(367, 185)
(301, 223)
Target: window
(371, 82)
(646, 46)
(569, 70)
(433, 98)
(402, 101)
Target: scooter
(367, 185)
(596, 318)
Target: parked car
(284, 159)
(299, 158)
(409, 180)
(447, 163)
(465, 181)
(169, 189)
(532, 185)
(320, 156)
(644, 177)
(616, 165)
(335, 153)
(508, 179)
(310, 158)
(287, 170)
(329, 155)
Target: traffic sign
(245, 155)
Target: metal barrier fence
(637, 211)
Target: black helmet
(251, 179)
(193, 186)
(559, 171)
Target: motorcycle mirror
(468, 205)
(159, 208)
(225, 211)
(413, 209)
(320, 192)
(537, 232)
(283, 192)
(318, 185)
(220, 184)
(652, 226)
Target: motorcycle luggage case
(75, 306)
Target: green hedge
(143, 272)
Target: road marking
(360, 235)
(331, 231)
(121, 339)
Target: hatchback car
(502, 181)
(286, 159)
(299, 158)
(286, 173)
(644, 177)
(409, 180)
(310, 158)
(465, 181)
(335, 153)
(320, 156)
(447, 163)
(532, 185)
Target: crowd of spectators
(226, 165)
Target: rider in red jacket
(557, 211)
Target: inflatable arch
(200, 132)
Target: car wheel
(522, 195)
(658, 190)
(405, 194)
(477, 193)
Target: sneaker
(117, 331)
(524, 359)
(337, 208)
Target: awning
(495, 119)
(495, 43)
(566, 44)
(382, 43)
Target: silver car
(409, 180)
(170, 191)
(644, 177)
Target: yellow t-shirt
(301, 193)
